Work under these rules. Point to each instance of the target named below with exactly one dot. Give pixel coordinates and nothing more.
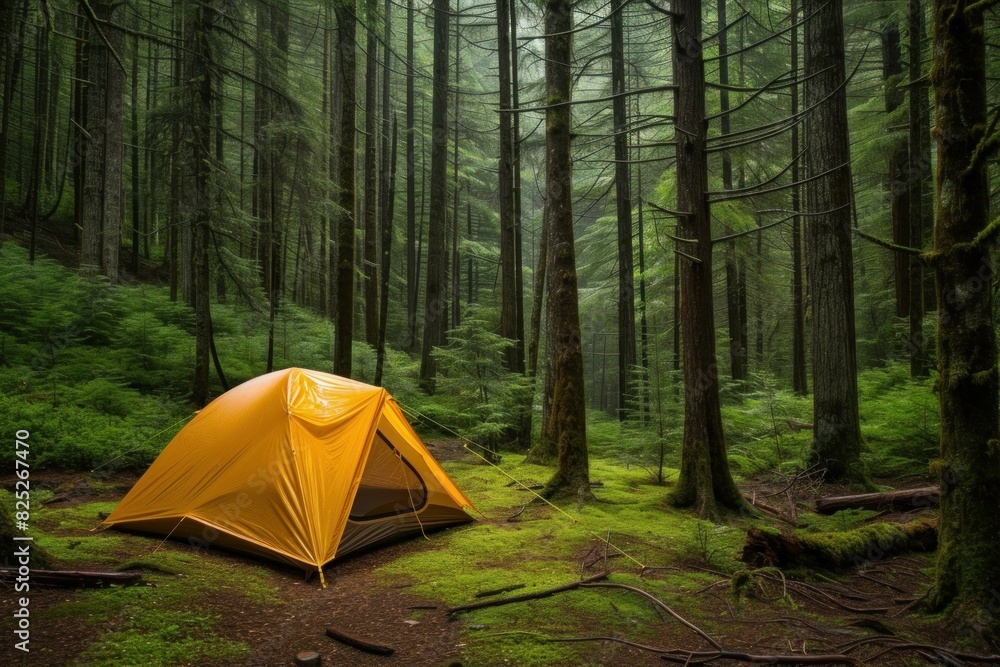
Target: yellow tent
(297, 466)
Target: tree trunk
(968, 570)
(456, 306)
(92, 220)
(737, 325)
(508, 280)
(41, 123)
(387, 214)
(567, 417)
(114, 141)
(14, 31)
(344, 313)
(919, 145)
(623, 199)
(327, 164)
(516, 128)
(800, 382)
(371, 227)
(837, 437)
(386, 187)
(79, 121)
(705, 482)
(892, 74)
(136, 149)
(412, 284)
(198, 43)
(435, 308)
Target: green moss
(838, 521)
(169, 638)
(86, 516)
(94, 548)
(870, 542)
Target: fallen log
(74, 579)
(527, 596)
(907, 499)
(360, 644)
(768, 547)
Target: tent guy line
(465, 444)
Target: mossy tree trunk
(705, 481)
(567, 415)
(837, 437)
(968, 570)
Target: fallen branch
(700, 658)
(902, 645)
(359, 644)
(897, 500)
(692, 658)
(644, 647)
(516, 514)
(498, 591)
(701, 633)
(768, 509)
(527, 596)
(74, 579)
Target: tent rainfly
(296, 466)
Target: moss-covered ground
(199, 607)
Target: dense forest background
(697, 237)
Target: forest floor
(215, 608)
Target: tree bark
(136, 149)
(919, 153)
(435, 308)
(371, 226)
(344, 313)
(114, 146)
(567, 416)
(390, 201)
(735, 314)
(623, 201)
(41, 123)
(968, 570)
(518, 244)
(99, 182)
(15, 27)
(412, 283)
(705, 481)
(837, 436)
(198, 43)
(892, 74)
(508, 279)
(800, 382)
